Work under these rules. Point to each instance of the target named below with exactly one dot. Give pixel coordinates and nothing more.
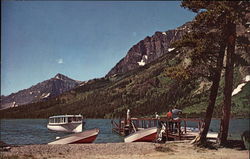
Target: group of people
(172, 116)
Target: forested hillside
(145, 90)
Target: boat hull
(146, 135)
(87, 136)
(149, 138)
(67, 127)
(86, 140)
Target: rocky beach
(170, 150)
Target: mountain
(149, 49)
(41, 91)
(145, 88)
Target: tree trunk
(224, 126)
(201, 139)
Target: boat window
(61, 120)
(57, 120)
(64, 120)
(70, 119)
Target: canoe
(87, 136)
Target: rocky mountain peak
(41, 91)
(61, 77)
(149, 49)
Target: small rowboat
(146, 135)
(87, 136)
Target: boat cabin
(63, 119)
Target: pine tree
(235, 15)
(206, 49)
(224, 15)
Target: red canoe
(87, 136)
(146, 135)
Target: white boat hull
(66, 127)
(146, 135)
(87, 136)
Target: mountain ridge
(149, 49)
(40, 91)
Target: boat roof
(63, 116)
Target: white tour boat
(66, 123)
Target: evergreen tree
(235, 15)
(224, 15)
(206, 50)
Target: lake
(34, 131)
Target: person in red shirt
(169, 114)
(170, 117)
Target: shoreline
(169, 150)
(216, 118)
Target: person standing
(169, 120)
(176, 113)
(160, 125)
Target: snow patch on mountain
(57, 77)
(143, 60)
(240, 86)
(141, 63)
(247, 78)
(170, 49)
(44, 95)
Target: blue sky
(82, 40)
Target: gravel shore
(172, 150)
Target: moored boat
(66, 123)
(87, 136)
(146, 135)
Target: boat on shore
(146, 135)
(66, 123)
(87, 136)
(150, 135)
(145, 129)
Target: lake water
(34, 131)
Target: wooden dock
(174, 129)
